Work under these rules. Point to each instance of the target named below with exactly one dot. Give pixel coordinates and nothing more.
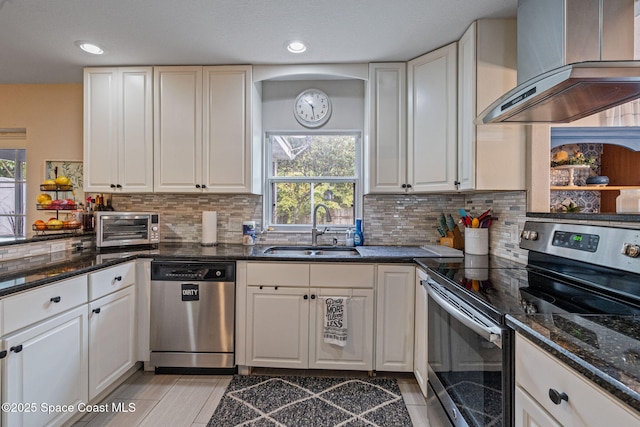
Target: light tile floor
(190, 400)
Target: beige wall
(52, 116)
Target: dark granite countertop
(29, 272)
(42, 238)
(603, 348)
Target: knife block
(453, 240)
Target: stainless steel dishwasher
(192, 314)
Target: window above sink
(307, 168)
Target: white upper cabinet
(432, 120)
(178, 129)
(227, 158)
(387, 140)
(490, 157)
(118, 130)
(203, 134)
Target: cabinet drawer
(278, 274)
(33, 306)
(342, 275)
(111, 279)
(537, 372)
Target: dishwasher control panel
(177, 271)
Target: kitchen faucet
(314, 230)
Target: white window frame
(269, 180)
(19, 183)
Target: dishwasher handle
(469, 317)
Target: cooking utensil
(486, 223)
(451, 224)
(443, 221)
(484, 215)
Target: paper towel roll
(209, 228)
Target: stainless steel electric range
(570, 269)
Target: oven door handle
(493, 334)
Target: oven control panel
(577, 241)
(613, 247)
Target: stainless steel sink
(312, 251)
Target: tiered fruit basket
(49, 204)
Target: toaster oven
(126, 229)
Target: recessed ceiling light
(89, 47)
(296, 46)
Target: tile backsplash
(405, 219)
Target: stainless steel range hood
(575, 58)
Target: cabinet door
(528, 413)
(50, 367)
(112, 335)
(487, 54)
(227, 129)
(177, 139)
(357, 354)
(118, 129)
(101, 115)
(395, 304)
(432, 120)
(135, 153)
(538, 372)
(420, 341)
(387, 150)
(277, 327)
(467, 109)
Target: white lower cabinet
(285, 324)
(529, 413)
(46, 365)
(277, 327)
(580, 402)
(62, 351)
(112, 338)
(395, 305)
(420, 333)
(357, 354)
(285, 329)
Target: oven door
(465, 362)
(123, 230)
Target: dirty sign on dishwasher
(190, 292)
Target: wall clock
(312, 108)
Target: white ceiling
(37, 36)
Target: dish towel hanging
(335, 320)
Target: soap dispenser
(358, 236)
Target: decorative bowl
(598, 181)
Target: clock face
(312, 108)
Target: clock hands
(313, 113)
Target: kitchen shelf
(593, 187)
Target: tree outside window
(307, 169)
